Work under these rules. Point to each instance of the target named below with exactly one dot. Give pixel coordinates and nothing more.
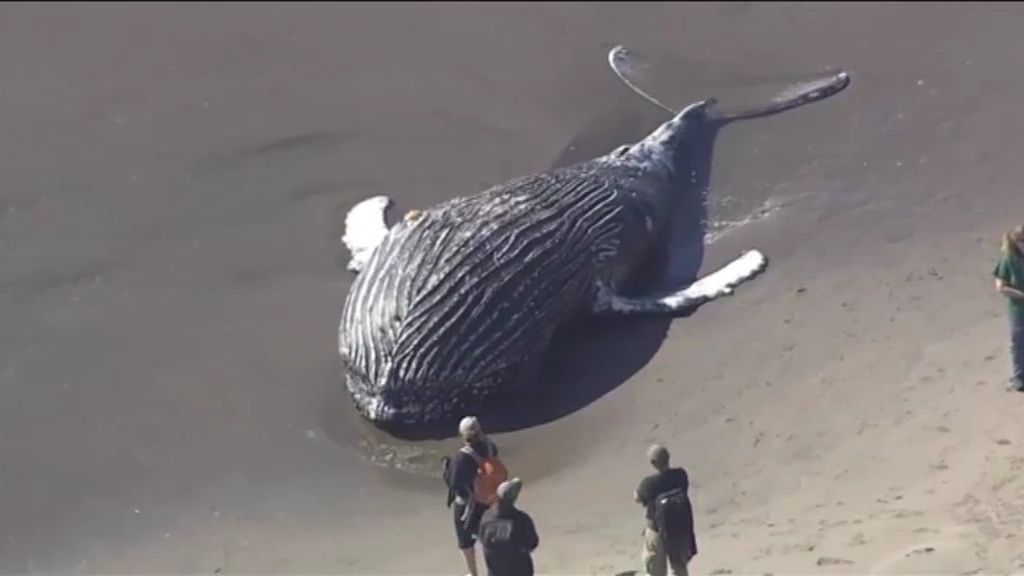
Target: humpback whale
(457, 301)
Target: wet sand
(176, 179)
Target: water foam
(719, 228)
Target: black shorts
(465, 532)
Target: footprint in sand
(829, 561)
(945, 557)
(858, 539)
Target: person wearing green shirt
(1009, 274)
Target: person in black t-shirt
(508, 535)
(659, 555)
(466, 510)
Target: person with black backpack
(669, 539)
(508, 534)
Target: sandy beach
(176, 179)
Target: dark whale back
(447, 305)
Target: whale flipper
(719, 283)
(365, 228)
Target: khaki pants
(657, 560)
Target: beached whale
(452, 303)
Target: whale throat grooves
(450, 304)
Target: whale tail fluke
(635, 75)
(794, 96)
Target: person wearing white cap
(508, 534)
(475, 472)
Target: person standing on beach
(508, 535)
(473, 475)
(1009, 274)
(669, 539)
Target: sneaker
(1015, 385)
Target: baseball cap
(469, 425)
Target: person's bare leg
(470, 555)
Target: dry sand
(175, 179)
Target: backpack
(673, 515)
(491, 472)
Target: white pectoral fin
(719, 283)
(365, 228)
